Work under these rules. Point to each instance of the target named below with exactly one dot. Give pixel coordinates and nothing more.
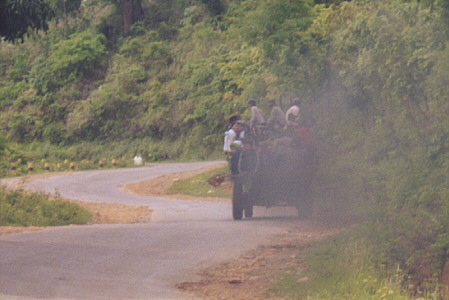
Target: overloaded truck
(277, 171)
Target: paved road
(131, 261)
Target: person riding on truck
(276, 121)
(233, 144)
(292, 115)
(232, 137)
(257, 120)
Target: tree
(132, 12)
(18, 16)
(216, 7)
(63, 9)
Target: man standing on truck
(233, 144)
(257, 120)
(276, 121)
(233, 136)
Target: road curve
(128, 261)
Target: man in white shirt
(292, 114)
(233, 145)
(232, 136)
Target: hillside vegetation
(372, 76)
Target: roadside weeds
(251, 275)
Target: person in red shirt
(304, 137)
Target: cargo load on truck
(277, 171)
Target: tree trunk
(127, 8)
(137, 11)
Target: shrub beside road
(18, 208)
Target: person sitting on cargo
(257, 120)
(276, 121)
(292, 118)
(292, 114)
(304, 137)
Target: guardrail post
(30, 168)
(13, 169)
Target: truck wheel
(237, 201)
(248, 206)
(249, 211)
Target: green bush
(73, 58)
(20, 69)
(55, 133)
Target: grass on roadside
(341, 267)
(199, 186)
(18, 208)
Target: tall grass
(342, 267)
(18, 208)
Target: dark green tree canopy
(19, 16)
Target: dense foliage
(372, 76)
(18, 17)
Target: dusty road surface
(171, 257)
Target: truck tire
(237, 201)
(249, 211)
(247, 205)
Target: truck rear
(277, 172)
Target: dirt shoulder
(251, 276)
(159, 186)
